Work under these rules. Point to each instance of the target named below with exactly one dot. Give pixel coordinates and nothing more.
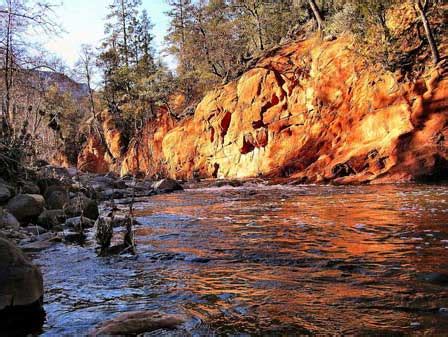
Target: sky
(83, 23)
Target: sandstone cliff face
(145, 155)
(315, 112)
(312, 111)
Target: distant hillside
(63, 82)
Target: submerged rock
(139, 322)
(21, 291)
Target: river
(268, 260)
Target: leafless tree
(422, 7)
(17, 19)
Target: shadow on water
(263, 260)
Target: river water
(268, 260)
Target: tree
(86, 71)
(422, 7)
(18, 18)
(317, 14)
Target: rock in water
(21, 292)
(79, 223)
(49, 219)
(138, 322)
(167, 185)
(25, 206)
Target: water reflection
(275, 259)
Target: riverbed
(264, 259)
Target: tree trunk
(8, 112)
(125, 34)
(421, 8)
(317, 14)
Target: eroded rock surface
(311, 110)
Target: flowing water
(268, 260)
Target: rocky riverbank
(56, 206)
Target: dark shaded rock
(27, 187)
(56, 197)
(49, 219)
(80, 204)
(115, 194)
(90, 208)
(8, 221)
(232, 183)
(167, 185)
(79, 223)
(74, 237)
(5, 193)
(45, 183)
(26, 206)
(21, 292)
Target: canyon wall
(310, 110)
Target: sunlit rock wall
(314, 111)
(310, 110)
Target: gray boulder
(167, 185)
(8, 221)
(25, 206)
(49, 219)
(80, 204)
(56, 197)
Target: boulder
(26, 206)
(80, 204)
(56, 197)
(78, 223)
(45, 183)
(139, 322)
(48, 219)
(5, 193)
(8, 221)
(21, 292)
(167, 185)
(90, 209)
(27, 187)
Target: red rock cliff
(313, 111)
